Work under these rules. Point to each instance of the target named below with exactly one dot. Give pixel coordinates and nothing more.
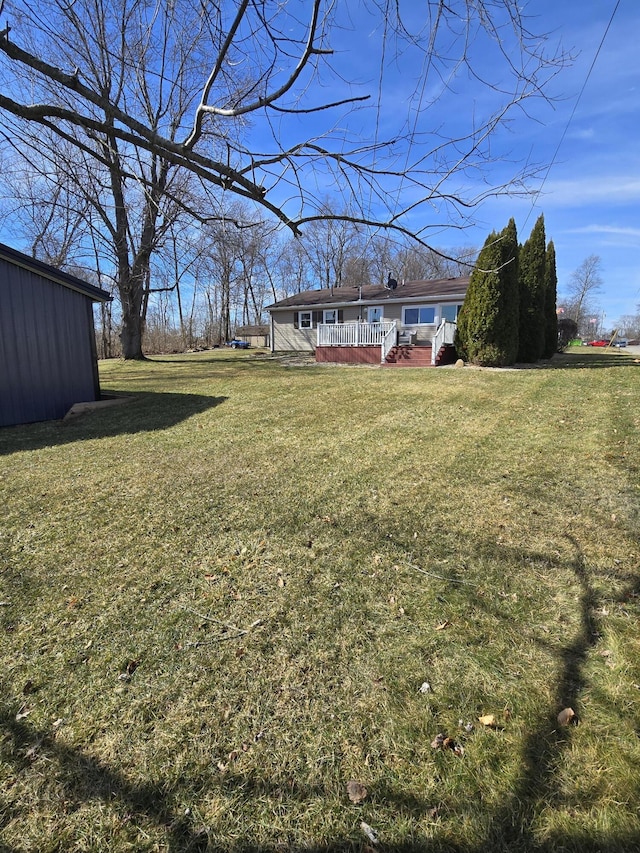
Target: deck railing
(446, 334)
(388, 342)
(355, 334)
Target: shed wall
(47, 347)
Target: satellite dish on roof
(391, 283)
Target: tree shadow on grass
(79, 779)
(144, 412)
(82, 778)
(512, 829)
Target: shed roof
(253, 330)
(19, 259)
(432, 289)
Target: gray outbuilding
(48, 357)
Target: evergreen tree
(487, 332)
(550, 296)
(532, 300)
(510, 308)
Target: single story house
(48, 356)
(408, 323)
(257, 336)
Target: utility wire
(573, 112)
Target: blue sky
(590, 196)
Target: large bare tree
(164, 107)
(584, 284)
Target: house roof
(19, 259)
(253, 330)
(433, 290)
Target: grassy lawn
(219, 601)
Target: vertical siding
(46, 347)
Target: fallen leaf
(280, 582)
(356, 791)
(449, 743)
(566, 716)
(22, 713)
(441, 741)
(425, 687)
(131, 666)
(368, 831)
(489, 721)
(32, 751)
(443, 625)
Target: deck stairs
(408, 355)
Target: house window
(374, 314)
(305, 320)
(420, 315)
(330, 316)
(450, 312)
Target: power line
(573, 112)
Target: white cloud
(605, 229)
(605, 189)
(587, 133)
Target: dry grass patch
(219, 603)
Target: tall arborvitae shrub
(550, 297)
(487, 332)
(532, 301)
(510, 308)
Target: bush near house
(550, 300)
(533, 262)
(487, 332)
